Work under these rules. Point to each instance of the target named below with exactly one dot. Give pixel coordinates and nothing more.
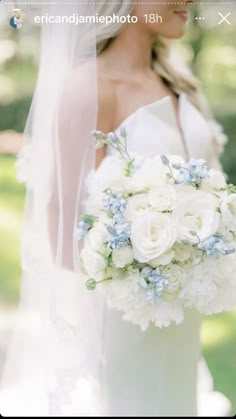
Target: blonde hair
(165, 61)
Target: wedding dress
(159, 372)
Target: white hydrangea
(128, 297)
(228, 211)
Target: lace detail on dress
(60, 395)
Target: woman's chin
(175, 34)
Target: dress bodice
(153, 129)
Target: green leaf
(88, 218)
(231, 188)
(128, 167)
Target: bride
(152, 373)
(145, 88)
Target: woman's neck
(131, 50)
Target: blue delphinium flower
(215, 246)
(116, 204)
(86, 222)
(192, 172)
(81, 230)
(119, 235)
(154, 282)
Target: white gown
(158, 372)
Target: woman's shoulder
(79, 88)
(106, 100)
(85, 84)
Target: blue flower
(154, 282)
(215, 246)
(82, 230)
(115, 203)
(192, 172)
(112, 137)
(119, 235)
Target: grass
(218, 336)
(11, 207)
(218, 333)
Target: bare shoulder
(106, 102)
(79, 87)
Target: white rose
(123, 256)
(94, 264)
(187, 254)
(164, 259)
(151, 174)
(228, 211)
(183, 190)
(197, 213)
(176, 275)
(136, 205)
(109, 174)
(216, 180)
(163, 198)
(152, 234)
(97, 236)
(182, 252)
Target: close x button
(224, 18)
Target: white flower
(197, 214)
(97, 236)
(176, 275)
(183, 190)
(136, 205)
(163, 198)
(93, 263)
(152, 234)
(187, 254)
(122, 256)
(215, 181)
(94, 203)
(127, 296)
(151, 174)
(167, 313)
(109, 174)
(199, 288)
(182, 252)
(210, 287)
(164, 259)
(228, 211)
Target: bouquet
(159, 235)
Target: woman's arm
(76, 120)
(106, 111)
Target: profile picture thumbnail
(16, 19)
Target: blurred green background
(210, 51)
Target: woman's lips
(183, 14)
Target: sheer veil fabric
(52, 365)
